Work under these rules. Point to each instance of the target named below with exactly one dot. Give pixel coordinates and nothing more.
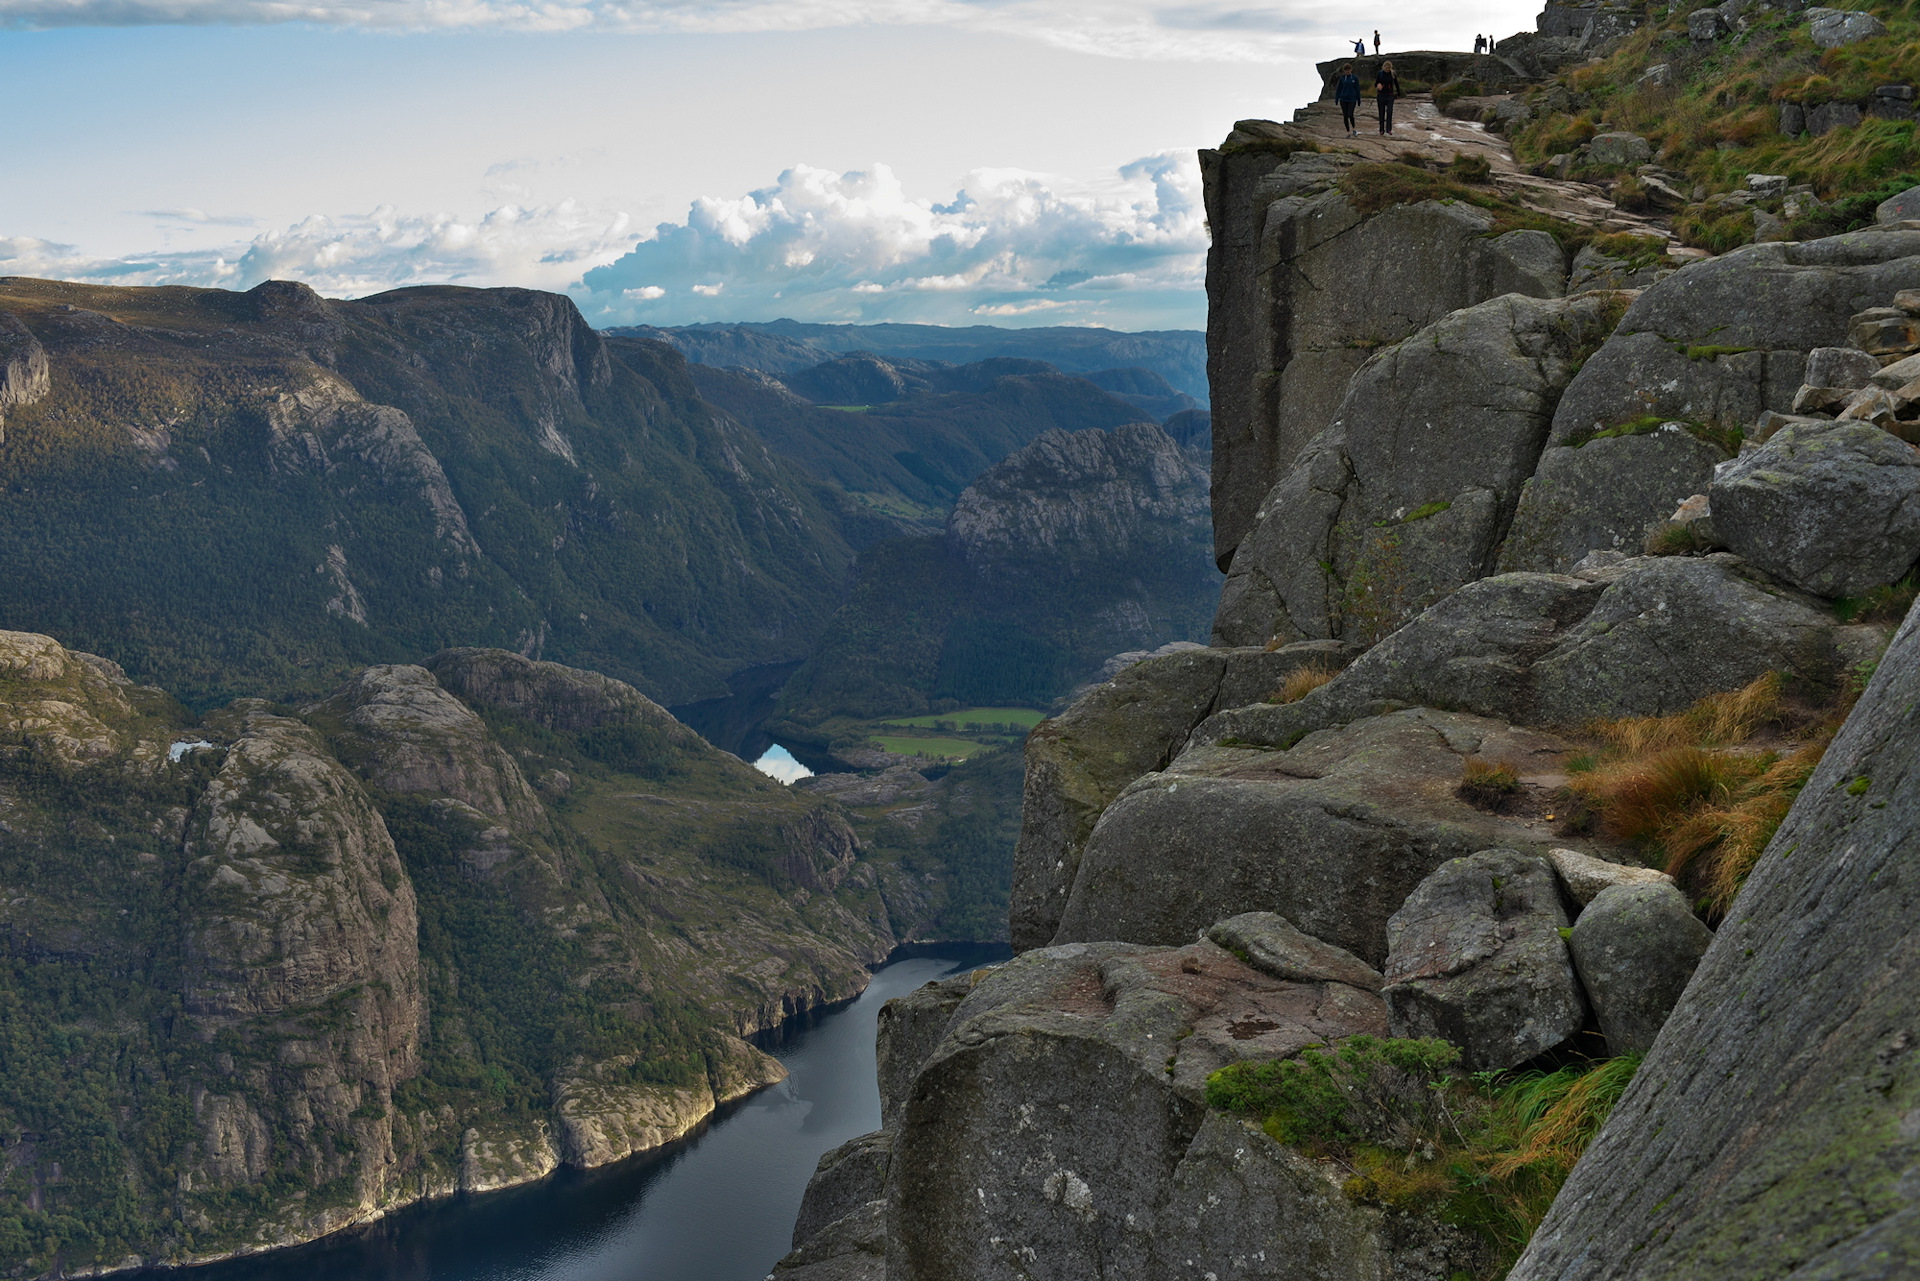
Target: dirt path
(1419, 127)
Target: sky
(1010, 162)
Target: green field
(948, 749)
(968, 718)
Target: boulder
(1246, 1207)
(1583, 877)
(1044, 1137)
(1832, 508)
(1793, 119)
(1670, 631)
(846, 1179)
(1726, 339)
(1884, 331)
(1901, 208)
(1621, 149)
(1302, 288)
(1640, 376)
(1897, 375)
(1635, 947)
(1643, 636)
(1077, 762)
(1841, 367)
(1332, 833)
(1270, 944)
(1604, 494)
(1593, 269)
(1706, 25)
(1770, 1131)
(1828, 116)
(1475, 957)
(1404, 496)
(1832, 28)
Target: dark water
(718, 1207)
(734, 724)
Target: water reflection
(718, 1207)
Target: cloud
(820, 245)
(1123, 28)
(816, 245)
(200, 217)
(545, 247)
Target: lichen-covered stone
(1635, 947)
(1584, 877)
(1042, 1138)
(1832, 508)
(1604, 494)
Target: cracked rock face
(1408, 492)
(1332, 834)
(1058, 1131)
(1302, 289)
(1078, 761)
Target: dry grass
(1692, 791)
(1490, 785)
(1302, 681)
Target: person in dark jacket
(1376, 44)
(1479, 44)
(1360, 48)
(1386, 87)
(1346, 92)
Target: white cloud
(817, 245)
(546, 247)
(1121, 28)
(820, 245)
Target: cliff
(278, 970)
(1554, 717)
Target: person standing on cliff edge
(1385, 89)
(1376, 42)
(1346, 92)
(1360, 48)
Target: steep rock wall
(1301, 289)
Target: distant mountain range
(786, 346)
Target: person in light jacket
(1346, 92)
(1386, 87)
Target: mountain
(1077, 546)
(256, 492)
(903, 437)
(275, 970)
(783, 346)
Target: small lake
(718, 1206)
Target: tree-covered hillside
(255, 492)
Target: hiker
(1479, 45)
(1386, 87)
(1346, 92)
(1376, 43)
(1360, 48)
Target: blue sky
(995, 161)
